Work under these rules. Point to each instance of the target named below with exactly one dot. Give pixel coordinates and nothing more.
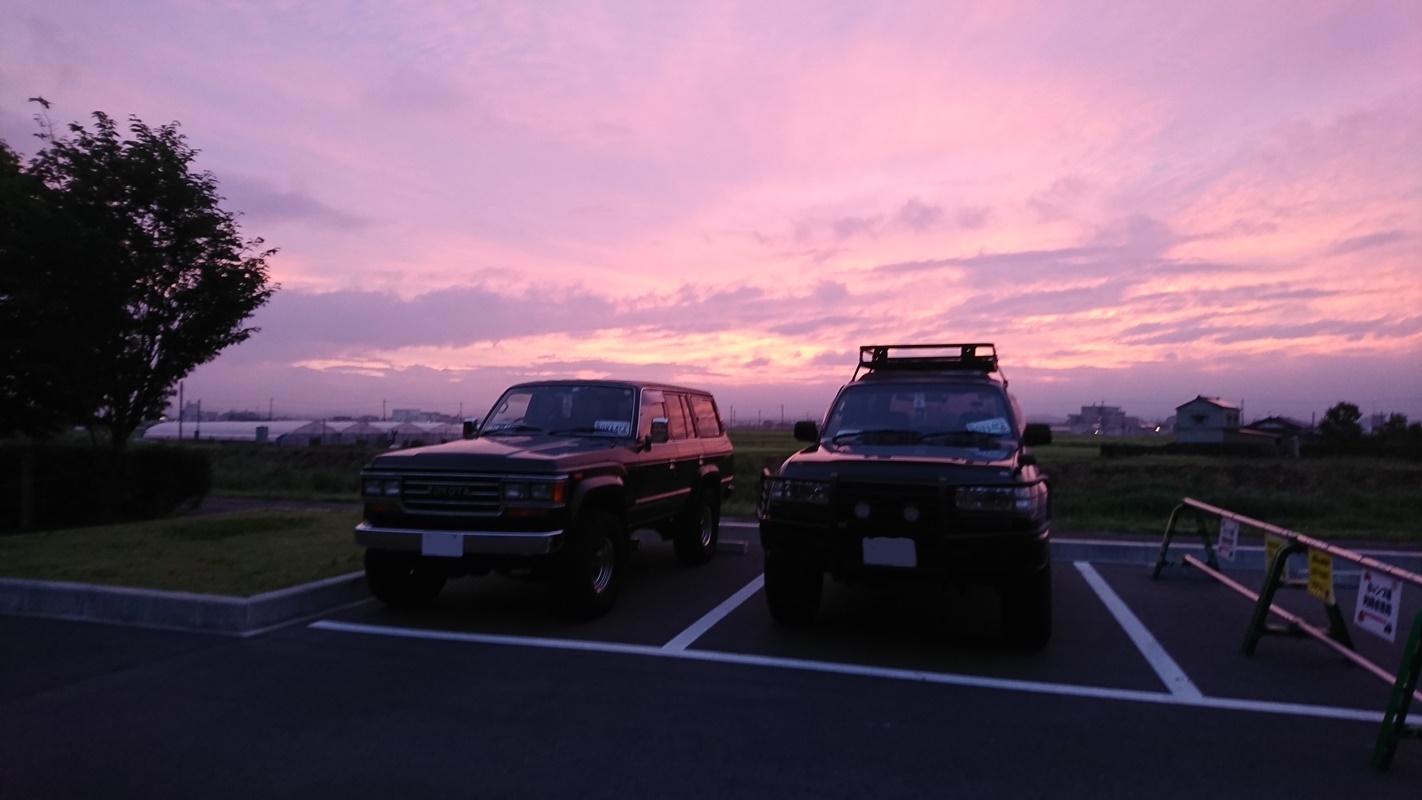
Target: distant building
(1283, 426)
(239, 416)
(1214, 422)
(1106, 421)
(1288, 434)
(1206, 420)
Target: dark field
(1345, 498)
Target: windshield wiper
(972, 437)
(587, 429)
(513, 429)
(877, 433)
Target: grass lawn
(236, 555)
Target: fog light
(861, 509)
(910, 513)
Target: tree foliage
(1341, 423)
(46, 350)
(136, 277)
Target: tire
(1027, 610)
(588, 573)
(792, 591)
(401, 580)
(696, 533)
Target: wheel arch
(605, 493)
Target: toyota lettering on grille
(452, 492)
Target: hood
(546, 454)
(909, 463)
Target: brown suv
(551, 484)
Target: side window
(703, 411)
(678, 419)
(653, 405)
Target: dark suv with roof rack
(551, 485)
(922, 469)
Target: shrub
(49, 486)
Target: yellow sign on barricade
(1320, 575)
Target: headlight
(1028, 501)
(986, 498)
(795, 490)
(534, 491)
(380, 487)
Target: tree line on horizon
(1342, 425)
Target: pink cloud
(739, 193)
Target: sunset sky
(1137, 202)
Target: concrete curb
(178, 610)
(246, 616)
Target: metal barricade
(1395, 728)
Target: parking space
(1119, 635)
(688, 689)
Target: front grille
(451, 494)
(902, 506)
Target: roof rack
(976, 357)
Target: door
(651, 476)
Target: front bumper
(470, 543)
(958, 554)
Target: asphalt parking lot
(689, 690)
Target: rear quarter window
(707, 421)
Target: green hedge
(49, 486)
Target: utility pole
(382, 410)
(270, 401)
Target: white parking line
(1170, 673)
(691, 634)
(856, 670)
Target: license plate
(441, 544)
(890, 552)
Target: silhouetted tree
(1340, 423)
(47, 312)
(168, 281)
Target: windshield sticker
(997, 425)
(618, 427)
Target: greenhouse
(310, 433)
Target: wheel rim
(707, 528)
(601, 565)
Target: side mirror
(659, 431)
(1037, 433)
(470, 427)
(807, 431)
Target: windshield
(562, 410)
(964, 416)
